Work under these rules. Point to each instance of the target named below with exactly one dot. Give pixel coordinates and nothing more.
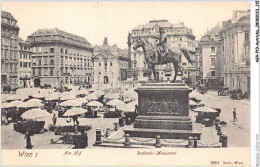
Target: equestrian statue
(161, 54)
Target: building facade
(178, 36)
(211, 58)
(236, 34)
(110, 64)
(60, 57)
(24, 68)
(9, 50)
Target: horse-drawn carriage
(202, 89)
(223, 91)
(8, 89)
(236, 94)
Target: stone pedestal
(164, 110)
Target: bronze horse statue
(152, 58)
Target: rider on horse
(162, 45)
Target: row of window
(25, 64)
(55, 50)
(25, 56)
(167, 30)
(50, 72)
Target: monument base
(163, 122)
(166, 133)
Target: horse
(174, 56)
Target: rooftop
(109, 49)
(159, 23)
(7, 15)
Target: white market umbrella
(94, 104)
(70, 103)
(52, 97)
(91, 97)
(81, 100)
(65, 94)
(23, 105)
(205, 109)
(35, 113)
(3, 105)
(17, 97)
(36, 104)
(4, 97)
(193, 103)
(68, 97)
(195, 95)
(13, 104)
(92, 89)
(115, 102)
(128, 99)
(39, 95)
(99, 93)
(130, 107)
(31, 104)
(131, 94)
(112, 96)
(75, 111)
(57, 94)
(34, 101)
(82, 92)
(28, 91)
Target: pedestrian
(28, 139)
(234, 115)
(54, 119)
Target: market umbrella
(99, 93)
(57, 94)
(70, 103)
(131, 94)
(13, 104)
(130, 107)
(82, 92)
(94, 104)
(193, 103)
(81, 100)
(34, 101)
(205, 109)
(92, 89)
(3, 105)
(68, 97)
(65, 94)
(39, 95)
(28, 91)
(91, 97)
(35, 113)
(128, 99)
(112, 96)
(195, 95)
(115, 102)
(75, 111)
(52, 97)
(23, 105)
(36, 104)
(17, 97)
(4, 97)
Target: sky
(114, 20)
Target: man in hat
(162, 45)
